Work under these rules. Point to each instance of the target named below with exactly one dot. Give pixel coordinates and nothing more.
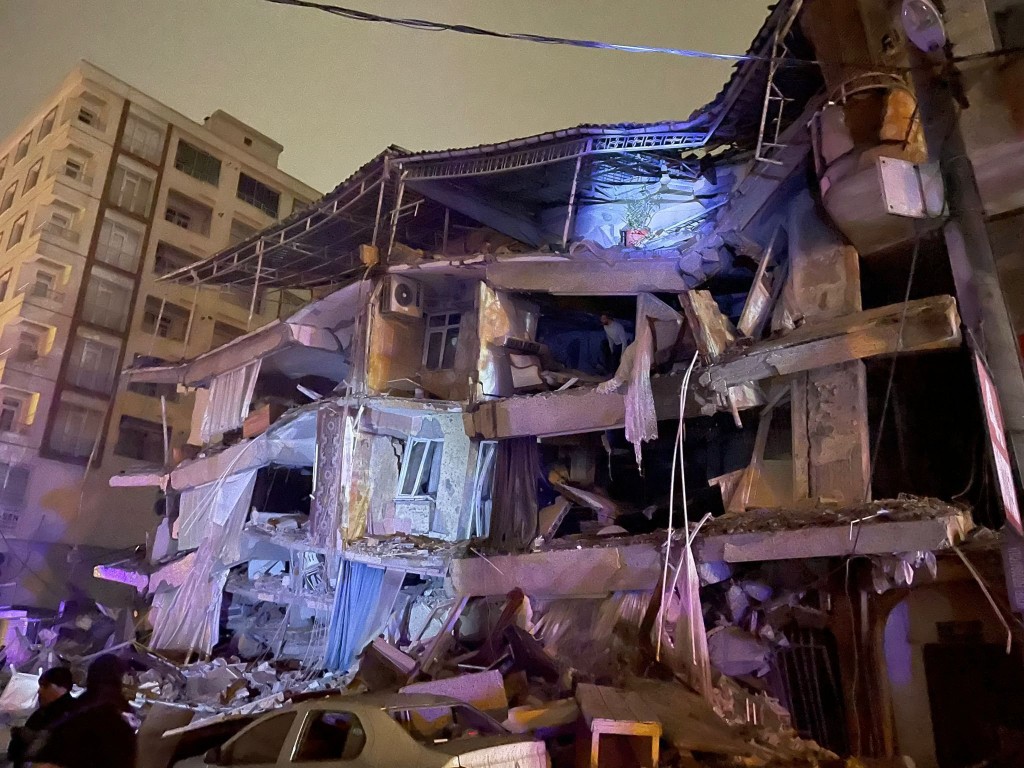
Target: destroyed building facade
(790, 480)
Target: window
(74, 169)
(13, 485)
(33, 175)
(3, 166)
(17, 230)
(93, 365)
(46, 127)
(150, 389)
(178, 218)
(170, 259)
(223, 333)
(5, 283)
(75, 429)
(62, 220)
(45, 285)
(330, 736)
(28, 346)
(8, 200)
(22, 150)
(88, 116)
(119, 245)
(140, 439)
(131, 191)
(197, 163)
(167, 320)
(258, 195)
(421, 468)
(240, 232)
(106, 303)
(142, 139)
(441, 341)
(10, 414)
(261, 742)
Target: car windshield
(432, 725)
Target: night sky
(335, 92)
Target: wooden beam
(570, 277)
(927, 324)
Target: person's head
(606, 319)
(105, 673)
(53, 684)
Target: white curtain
(230, 395)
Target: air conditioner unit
(403, 297)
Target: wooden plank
(927, 324)
(711, 329)
(758, 305)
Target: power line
(438, 26)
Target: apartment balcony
(56, 234)
(40, 296)
(80, 183)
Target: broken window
(441, 341)
(331, 736)
(261, 743)
(483, 489)
(421, 468)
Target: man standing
(617, 341)
(95, 733)
(55, 702)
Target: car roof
(386, 701)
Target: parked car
(376, 731)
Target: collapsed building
(717, 394)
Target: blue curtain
(355, 602)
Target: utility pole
(982, 307)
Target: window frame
(200, 165)
(141, 181)
(109, 228)
(21, 151)
(83, 415)
(32, 177)
(251, 198)
(8, 198)
(79, 175)
(120, 295)
(47, 123)
(11, 405)
(83, 348)
(433, 453)
(94, 116)
(17, 230)
(132, 144)
(448, 330)
(27, 350)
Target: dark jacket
(22, 739)
(93, 735)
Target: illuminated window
(46, 127)
(441, 341)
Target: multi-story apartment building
(103, 190)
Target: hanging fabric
(514, 512)
(355, 603)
